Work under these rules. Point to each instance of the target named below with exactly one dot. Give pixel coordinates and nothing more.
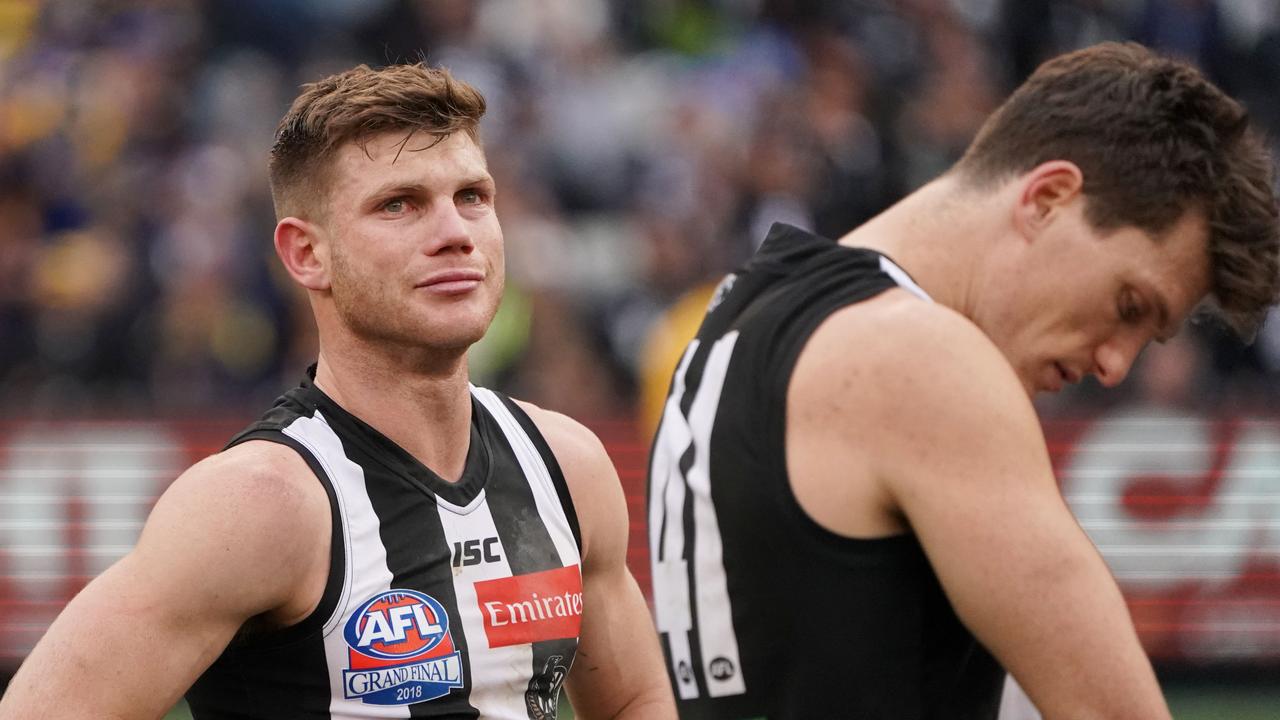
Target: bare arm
(618, 672)
(234, 537)
(941, 425)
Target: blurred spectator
(641, 151)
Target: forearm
(113, 653)
(1075, 651)
(72, 673)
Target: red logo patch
(544, 605)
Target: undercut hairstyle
(352, 106)
(1153, 139)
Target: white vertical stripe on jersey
(514, 663)
(901, 277)
(716, 637)
(672, 612)
(538, 476)
(364, 550)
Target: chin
(452, 341)
(439, 334)
(458, 331)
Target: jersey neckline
(475, 471)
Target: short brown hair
(350, 107)
(1153, 139)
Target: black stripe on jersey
(529, 549)
(337, 557)
(660, 495)
(693, 375)
(418, 558)
(692, 381)
(548, 459)
(690, 532)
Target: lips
(1052, 381)
(1068, 375)
(452, 282)
(1059, 376)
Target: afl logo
(397, 625)
(722, 668)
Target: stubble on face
(373, 290)
(369, 308)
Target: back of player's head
(1153, 139)
(352, 106)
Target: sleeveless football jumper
(444, 600)
(763, 613)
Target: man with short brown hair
(851, 507)
(387, 540)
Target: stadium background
(640, 149)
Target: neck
(418, 400)
(939, 235)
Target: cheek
(489, 240)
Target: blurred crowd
(641, 149)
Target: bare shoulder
(253, 478)
(897, 356)
(250, 517)
(890, 395)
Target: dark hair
(1153, 139)
(350, 107)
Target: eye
(1131, 307)
(471, 196)
(396, 206)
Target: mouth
(452, 282)
(1068, 376)
(1060, 377)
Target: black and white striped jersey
(761, 611)
(444, 600)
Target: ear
(1044, 191)
(300, 246)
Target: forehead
(401, 158)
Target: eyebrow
(397, 187)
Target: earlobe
(296, 245)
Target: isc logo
(397, 624)
(474, 552)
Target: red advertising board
(1186, 511)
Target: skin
(932, 430)
(403, 267)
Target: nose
(1114, 358)
(448, 231)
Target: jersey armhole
(549, 459)
(316, 620)
(780, 371)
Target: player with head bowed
(851, 507)
(387, 540)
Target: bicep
(125, 646)
(618, 665)
(617, 659)
(971, 474)
(618, 669)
